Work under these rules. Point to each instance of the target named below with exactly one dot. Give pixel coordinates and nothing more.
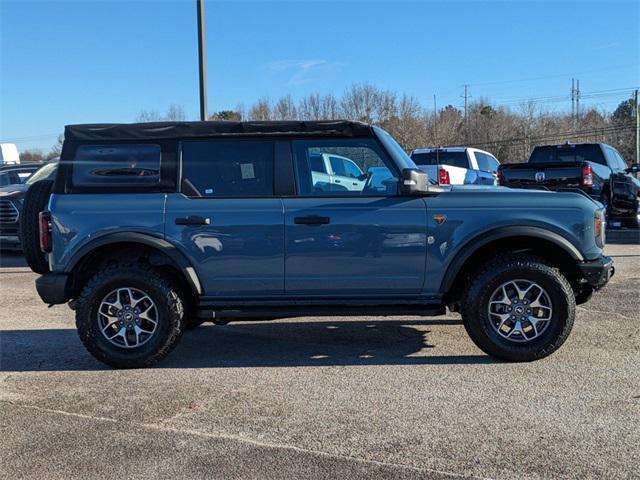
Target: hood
(13, 191)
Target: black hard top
(179, 130)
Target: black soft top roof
(173, 130)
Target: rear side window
(453, 159)
(568, 153)
(227, 168)
(116, 165)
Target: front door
(346, 242)
(227, 218)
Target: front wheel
(129, 316)
(519, 308)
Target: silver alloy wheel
(520, 310)
(127, 317)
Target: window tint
(441, 157)
(227, 168)
(567, 153)
(622, 164)
(124, 164)
(486, 163)
(317, 163)
(6, 179)
(360, 167)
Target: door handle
(311, 220)
(193, 220)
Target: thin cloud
(301, 71)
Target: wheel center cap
(128, 317)
(519, 310)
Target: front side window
(486, 163)
(227, 168)
(358, 167)
(126, 164)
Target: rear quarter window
(116, 165)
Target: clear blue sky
(104, 61)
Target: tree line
(508, 133)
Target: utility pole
(466, 118)
(573, 102)
(578, 102)
(637, 128)
(435, 119)
(202, 61)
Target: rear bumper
(597, 273)
(52, 288)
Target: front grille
(8, 212)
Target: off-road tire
(510, 267)
(163, 293)
(35, 201)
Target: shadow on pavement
(9, 259)
(623, 237)
(262, 344)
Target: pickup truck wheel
(35, 201)
(519, 308)
(129, 316)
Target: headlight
(599, 227)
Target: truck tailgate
(550, 175)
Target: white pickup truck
(331, 172)
(457, 165)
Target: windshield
(453, 159)
(45, 172)
(395, 150)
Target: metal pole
(435, 121)
(637, 129)
(202, 61)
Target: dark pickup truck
(595, 168)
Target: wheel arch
(548, 245)
(157, 251)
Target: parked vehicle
(9, 154)
(16, 174)
(11, 198)
(457, 165)
(155, 227)
(595, 168)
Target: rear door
(227, 218)
(346, 243)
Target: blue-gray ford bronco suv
(149, 229)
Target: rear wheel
(35, 201)
(129, 316)
(519, 308)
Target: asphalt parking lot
(401, 397)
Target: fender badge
(439, 218)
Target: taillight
(44, 220)
(587, 176)
(443, 177)
(499, 177)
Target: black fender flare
(160, 244)
(479, 241)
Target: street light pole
(202, 61)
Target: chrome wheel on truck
(520, 310)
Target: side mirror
(414, 182)
(634, 168)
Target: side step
(270, 313)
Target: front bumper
(597, 273)
(52, 287)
